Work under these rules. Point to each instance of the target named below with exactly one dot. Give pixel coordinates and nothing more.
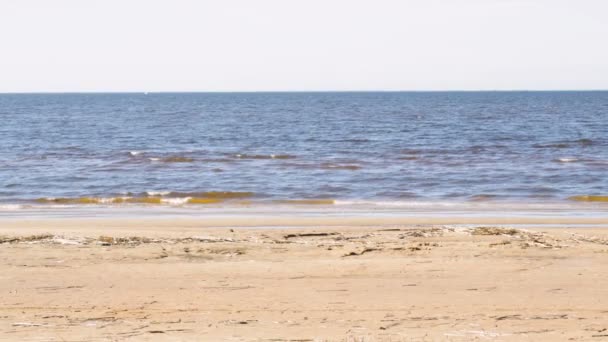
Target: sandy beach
(304, 171)
(77, 279)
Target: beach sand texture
(86, 280)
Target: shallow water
(353, 148)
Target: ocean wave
(203, 200)
(151, 197)
(483, 201)
(597, 162)
(567, 160)
(555, 145)
(219, 160)
(212, 194)
(99, 200)
(156, 158)
(332, 166)
(567, 144)
(589, 198)
(66, 200)
(177, 159)
(174, 201)
(157, 193)
(263, 156)
(483, 197)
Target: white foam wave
(175, 201)
(110, 200)
(135, 153)
(567, 160)
(10, 206)
(157, 193)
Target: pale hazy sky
(257, 45)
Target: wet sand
(342, 279)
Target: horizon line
(295, 91)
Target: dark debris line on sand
(384, 239)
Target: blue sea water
(361, 146)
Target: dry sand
(179, 279)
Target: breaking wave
(589, 198)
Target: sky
(302, 45)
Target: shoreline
(153, 218)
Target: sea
(398, 149)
